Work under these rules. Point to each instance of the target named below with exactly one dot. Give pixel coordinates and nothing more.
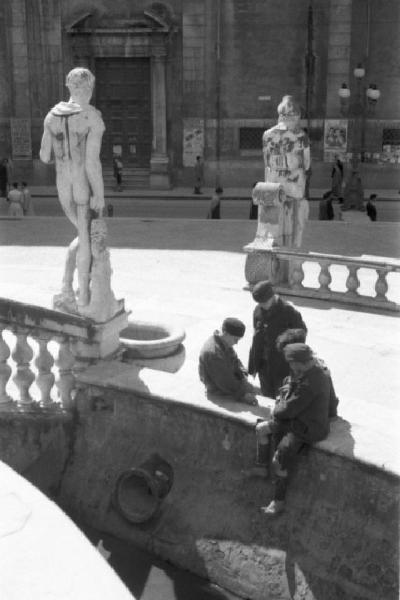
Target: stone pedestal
(159, 173)
(262, 263)
(104, 341)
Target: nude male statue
(73, 132)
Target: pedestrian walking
(215, 204)
(326, 212)
(353, 196)
(337, 175)
(198, 175)
(3, 178)
(16, 200)
(118, 168)
(371, 208)
(27, 200)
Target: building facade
(204, 77)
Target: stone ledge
(358, 442)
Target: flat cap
(234, 326)
(297, 352)
(263, 291)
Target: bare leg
(65, 195)
(83, 254)
(69, 270)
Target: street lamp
(365, 102)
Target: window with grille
(391, 137)
(250, 138)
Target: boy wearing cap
(271, 317)
(300, 416)
(219, 366)
(292, 336)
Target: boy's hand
(250, 398)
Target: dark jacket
(371, 211)
(326, 212)
(221, 370)
(333, 399)
(305, 403)
(268, 324)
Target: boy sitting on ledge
(300, 416)
(220, 368)
(224, 375)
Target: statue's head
(80, 82)
(289, 107)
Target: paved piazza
(192, 273)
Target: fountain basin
(148, 339)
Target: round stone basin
(147, 339)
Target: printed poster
(193, 141)
(335, 139)
(21, 138)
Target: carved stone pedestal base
(105, 341)
(264, 264)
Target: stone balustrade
(286, 268)
(26, 334)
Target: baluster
(5, 372)
(381, 285)
(324, 277)
(45, 378)
(24, 377)
(352, 282)
(296, 274)
(65, 381)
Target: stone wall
(263, 47)
(338, 538)
(37, 445)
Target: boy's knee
(277, 466)
(263, 431)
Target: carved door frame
(147, 40)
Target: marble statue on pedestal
(283, 206)
(72, 137)
(286, 152)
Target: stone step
(132, 178)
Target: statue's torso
(286, 158)
(69, 131)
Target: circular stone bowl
(146, 339)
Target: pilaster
(339, 46)
(159, 163)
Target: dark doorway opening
(123, 95)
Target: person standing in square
(198, 175)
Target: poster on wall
(390, 153)
(335, 139)
(193, 141)
(21, 142)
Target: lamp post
(364, 103)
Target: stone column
(159, 163)
(339, 47)
(20, 67)
(20, 122)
